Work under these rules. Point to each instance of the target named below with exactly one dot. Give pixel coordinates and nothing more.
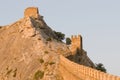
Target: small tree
(60, 35)
(100, 67)
(68, 41)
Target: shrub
(41, 60)
(60, 35)
(49, 39)
(68, 41)
(100, 67)
(51, 63)
(38, 75)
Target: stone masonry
(76, 43)
(31, 12)
(26, 53)
(72, 71)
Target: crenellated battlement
(76, 43)
(77, 39)
(75, 36)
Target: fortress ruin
(76, 43)
(31, 12)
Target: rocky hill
(29, 50)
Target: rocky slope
(29, 49)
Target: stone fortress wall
(70, 70)
(74, 71)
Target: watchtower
(31, 12)
(76, 43)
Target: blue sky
(98, 21)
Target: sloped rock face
(79, 55)
(26, 53)
(29, 49)
(81, 58)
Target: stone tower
(31, 12)
(76, 43)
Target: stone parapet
(80, 72)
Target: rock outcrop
(79, 55)
(29, 50)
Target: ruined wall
(73, 71)
(76, 43)
(31, 12)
